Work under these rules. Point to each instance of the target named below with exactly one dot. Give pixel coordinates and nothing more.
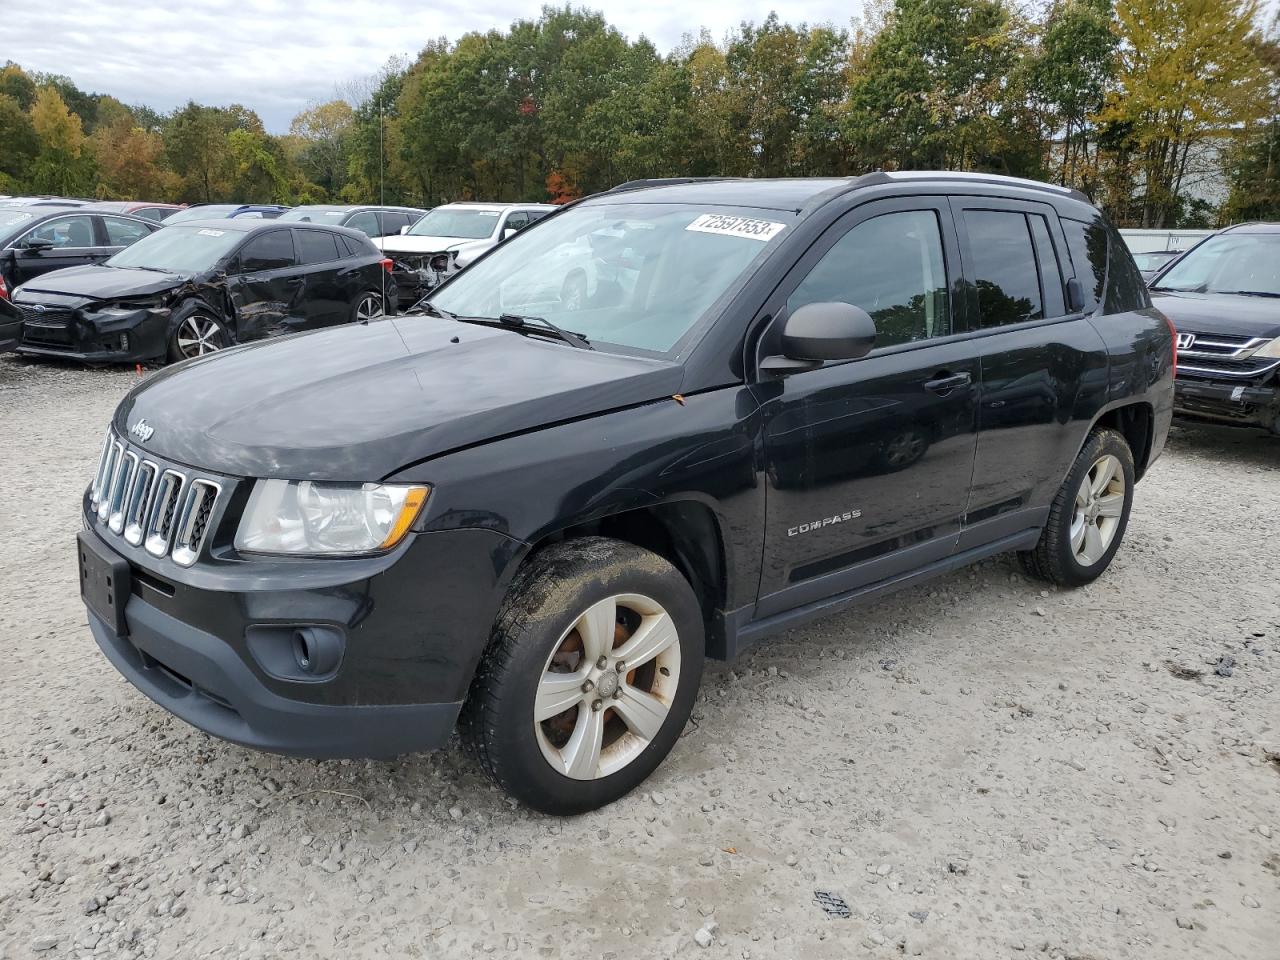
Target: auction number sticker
(210, 233)
(730, 226)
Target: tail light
(1173, 332)
(387, 264)
(4, 289)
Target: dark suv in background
(1223, 295)
(369, 220)
(534, 516)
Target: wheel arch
(685, 532)
(1135, 422)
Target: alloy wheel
(369, 308)
(607, 687)
(197, 335)
(1099, 506)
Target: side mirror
(1075, 296)
(37, 245)
(508, 233)
(404, 230)
(828, 331)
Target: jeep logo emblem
(142, 430)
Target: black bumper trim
(201, 680)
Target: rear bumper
(1242, 404)
(201, 680)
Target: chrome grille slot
(112, 468)
(98, 490)
(121, 490)
(193, 521)
(164, 510)
(139, 502)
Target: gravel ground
(978, 768)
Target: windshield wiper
(542, 323)
(1247, 293)
(432, 309)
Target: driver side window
(892, 267)
(268, 251)
(75, 231)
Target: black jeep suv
(1223, 296)
(534, 518)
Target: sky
(276, 56)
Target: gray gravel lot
(979, 768)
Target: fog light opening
(304, 649)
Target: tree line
(1165, 112)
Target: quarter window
(1087, 243)
(317, 246)
(517, 221)
(121, 233)
(892, 267)
(268, 251)
(1004, 267)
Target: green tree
(21, 145)
(324, 133)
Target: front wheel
(589, 677)
(196, 334)
(1089, 515)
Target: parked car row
(134, 281)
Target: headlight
(327, 519)
(1271, 349)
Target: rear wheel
(1089, 515)
(589, 678)
(368, 306)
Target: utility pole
(382, 156)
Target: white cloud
(275, 56)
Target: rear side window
(317, 246)
(892, 267)
(1004, 267)
(268, 251)
(1087, 243)
(1055, 300)
(121, 233)
(1126, 290)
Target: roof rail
(664, 182)
(997, 179)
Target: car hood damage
(104, 283)
(359, 403)
(409, 243)
(1230, 314)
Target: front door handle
(944, 384)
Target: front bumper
(1241, 403)
(118, 336)
(413, 626)
(414, 278)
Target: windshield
(456, 222)
(207, 212)
(314, 214)
(632, 274)
(185, 250)
(11, 218)
(1247, 263)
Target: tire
(539, 652)
(1088, 517)
(368, 306)
(197, 332)
(573, 294)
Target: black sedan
(35, 240)
(196, 287)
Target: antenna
(382, 156)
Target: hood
(102, 283)
(360, 402)
(1220, 313)
(407, 243)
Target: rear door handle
(945, 384)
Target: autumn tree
(62, 165)
(1189, 79)
(130, 161)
